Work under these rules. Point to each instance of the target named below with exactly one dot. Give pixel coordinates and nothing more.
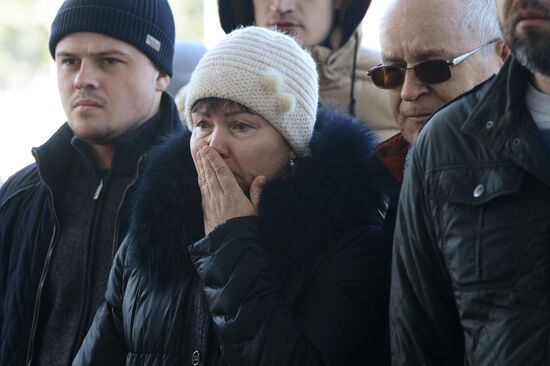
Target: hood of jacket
(348, 15)
(327, 193)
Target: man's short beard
(532, 47)
(533, 55)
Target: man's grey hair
(480, 19)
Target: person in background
(331, 30)
(272, 252)
(470, 281)
(62, 218)
(432, 51)
(186, 57)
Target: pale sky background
(31, 112)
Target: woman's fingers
(223, 176)
(256, 189)
(222, 197)
(199, 164)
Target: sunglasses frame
(450, 63)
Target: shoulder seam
(16, 193)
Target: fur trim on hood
(326, 194)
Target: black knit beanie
(147, 25)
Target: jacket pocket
(479, 212)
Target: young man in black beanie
(62, 218)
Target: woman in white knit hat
(256, 237)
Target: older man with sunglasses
(471, 265)
(432, 52)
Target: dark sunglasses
(429, 71)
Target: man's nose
(283, 6)
(86, 77)
(412, 88)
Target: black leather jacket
(471, 266)
(306, 282)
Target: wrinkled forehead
(415, 30)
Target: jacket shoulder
(340, 177)
(166, 169)
(443, 131)
(340, 140)
(450, 117)
(458, 109)
(22, 181)
(166, 211)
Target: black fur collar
(328, 192)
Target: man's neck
(103, 155)
(542, 83)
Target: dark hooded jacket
(341, 61)
(471, 264)
(306, 282)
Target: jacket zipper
(88, 264)
(38, 299)
(98, 190)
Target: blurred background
(30, 110)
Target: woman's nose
(219, 141)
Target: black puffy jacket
(304, 283)
(471, 266)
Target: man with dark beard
(471, 267)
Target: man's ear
(502, 50)
(163, 80)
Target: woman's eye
(240, 126)
(201, 125)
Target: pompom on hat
(267, 72)
(148, 25)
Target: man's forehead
(421, 28)
(93, 43)
(413, 54)
(419, 43)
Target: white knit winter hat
(267, 72)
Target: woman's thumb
(256, 190)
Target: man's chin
(534, 58)
(412, 127)
(93, 137)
